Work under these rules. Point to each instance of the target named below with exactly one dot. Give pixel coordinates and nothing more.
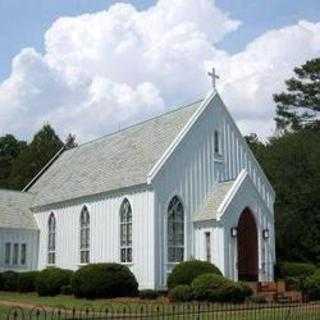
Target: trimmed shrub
(149, 294)
(181, 293)
(104, 280)
(258, 299)
(50, 281)
(296, 270)
(67, 290)
(311, 286)
(27, 281)
(216, 288)
(186, 272)
(295, 273)
(10, 281)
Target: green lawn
(151, 309)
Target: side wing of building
(211, 152)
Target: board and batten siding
(104, 233)
(19, 236)
(248, 197)
(192, 171)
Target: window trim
(86, 228)
(52, 233)
(128, 242)
(183, 247)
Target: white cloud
(122, 65)
(260, 70)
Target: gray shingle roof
(213, 201)
(14, 210)
(112, 162)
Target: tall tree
(300, 104)
(44, 146)
(291, 162)
(10, 148)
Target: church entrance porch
(247, 243)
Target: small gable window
(52, 239)
(84, 236)
(126, 231)
(217, 142)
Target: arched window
(84, 235)
(52, 239)
(126, 231)
(175, 231)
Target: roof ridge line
(139, 123)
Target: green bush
(27, 281)
(181, 293)
(67, 290)
(104, 280)
(295, 273)
(258, 299)
(216, 288)
(311, 286)
(186, 272)
(149, 294)
(9, 281)
(50, 281)
(296, 270)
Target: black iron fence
(171, 311)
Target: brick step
(275, 291)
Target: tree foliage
(300, 104)
(10, 148)
(291, 162)
(31, 160)
(21, 162)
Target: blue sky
(23, 23)
(123, 63)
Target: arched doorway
(247, 247)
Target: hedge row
(21, 282)
(104, 280)
(47, 282)
(301, 276)
(296, 270)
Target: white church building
(181, 186)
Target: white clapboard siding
(104, 233)
(19, 236)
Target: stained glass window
(84, 235)
(126, 231)
(175, 230)
(52, 239)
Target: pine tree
(10, 148)
(299, 106)
(27, 165)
